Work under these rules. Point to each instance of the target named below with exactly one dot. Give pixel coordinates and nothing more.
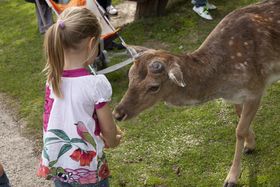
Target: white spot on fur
(232, 57)
(278, 21)
(239, 54)
(222, 30)
(270, 19)
(245, 63)
(230, 43)
(240, 67)
(232, 37)
(246, 43)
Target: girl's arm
(108, 127)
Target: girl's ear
(91, 43)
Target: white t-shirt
(73, 149)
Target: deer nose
(119, 115)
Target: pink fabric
(75, 72)
(47, 108)
(100, 105)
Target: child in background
(77, 119)
(46, 13)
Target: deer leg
(238, 109)
(243, 133)
(250, 143)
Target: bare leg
(242, 132)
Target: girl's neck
(74, 59)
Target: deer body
(236, 62)
(238, 59)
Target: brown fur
(236, 62)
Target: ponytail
(55, 58)
(74, 24)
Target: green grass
(191, 147)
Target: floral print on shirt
(84, 157)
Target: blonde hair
(73, 25)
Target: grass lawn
(189, 146)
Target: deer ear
(176, 75)
(137, 49)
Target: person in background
(77, 120)
(108, 7)
(46, 13)
(4, 181)
(202, 7)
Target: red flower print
(104, 171)
(76, 155)
(85, 158)
(43, 171)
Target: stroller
(109, 33)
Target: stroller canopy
(108, 31)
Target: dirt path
(16, 151)
(126, 14)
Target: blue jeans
(103, 183)
(199, 3)
(47, 15)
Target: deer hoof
(230, 184)
(248, 151)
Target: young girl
(77, 119)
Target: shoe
(210, 6)
(111, 10)
(203, 12)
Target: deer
(237, 61)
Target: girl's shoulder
(101, 87)
(99, 80)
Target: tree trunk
(150, 8)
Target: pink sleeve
(100, 105)
(47, 108)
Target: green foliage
(163, 146)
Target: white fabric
(80, 95)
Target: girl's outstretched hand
(119, 136)
(110, 132)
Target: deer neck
(200, 73)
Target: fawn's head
(152, 78)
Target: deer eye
(154, 88)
